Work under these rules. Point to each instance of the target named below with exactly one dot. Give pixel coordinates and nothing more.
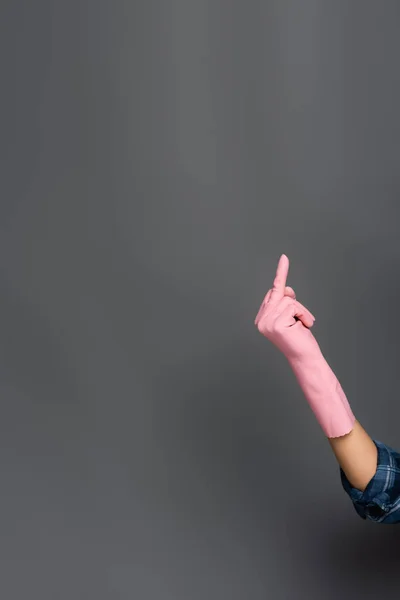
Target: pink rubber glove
(286, 322)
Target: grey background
(156, 159)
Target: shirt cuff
(381, 497)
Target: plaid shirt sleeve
(380, 501)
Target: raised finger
(278, 289)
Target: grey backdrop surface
(156, 159)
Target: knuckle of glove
(269, 326)
(266, 325)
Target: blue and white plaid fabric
(380, 501)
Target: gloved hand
(286, 323)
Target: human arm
(357, 456)
(369, 470)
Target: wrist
(324, 394)
(312, 358)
